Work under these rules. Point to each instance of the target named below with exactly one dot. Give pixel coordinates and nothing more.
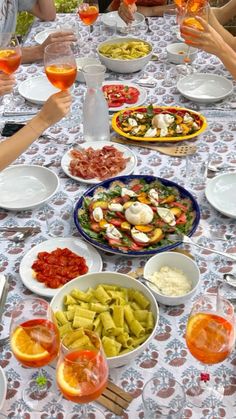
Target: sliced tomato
(95, 227)
(137, 187)
(116, 222)
(135, 247)
(182, 219)
(118, 94)
(179, 205)
(131, 94)
(114, 101)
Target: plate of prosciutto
(136, 215)
(94, 162)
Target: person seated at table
(146, 7)
(55, 108)
(44, 10)
(214, 39)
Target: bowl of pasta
(124, 55)
(120, 309)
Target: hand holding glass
(60, 67)
(10, 57)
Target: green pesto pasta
(101, 295)
(120, 316)
(110, 346)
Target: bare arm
(225, 13)
(35, 53)
(211, 41)
(227, 36)
(44, 10)
(53, 110)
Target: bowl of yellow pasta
(124, 55)
(120, 309)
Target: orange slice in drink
(67, 379)
(6, 53)
(25, 348)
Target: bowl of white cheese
(175, 277)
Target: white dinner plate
(3, 387)
(37, 89)
(220, 193)
(112, 19)
(23, 186)
(141, 99)
(66, 159)
(42, 36)
(205, 88)
(76, 245)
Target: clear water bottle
(95, 108)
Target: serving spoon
(186, 239)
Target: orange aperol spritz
(210, 337)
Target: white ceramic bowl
(177, 51)
(124, 66)
(173, 260)
(81, 62)
(25, 186)
(94, 279)
(204, 87)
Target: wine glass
(88, 12)
(210, 338)
(61, 70)
(10, 59)
(82, 369)
(35, 342)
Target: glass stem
(83, 412)
(205, 375)
(90, 33)
(40, 385)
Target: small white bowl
(177, 52)
(82, 62)
(92, 280)
(124, 66)
(173, 260)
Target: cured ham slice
(102, 163)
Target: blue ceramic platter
(126, 180)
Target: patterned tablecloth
(167, 351)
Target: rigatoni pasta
(120, 316)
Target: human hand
(126, 12)
(55, 108)
(207, 39)
(7, 83)
(60, 36)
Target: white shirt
(9, 10)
